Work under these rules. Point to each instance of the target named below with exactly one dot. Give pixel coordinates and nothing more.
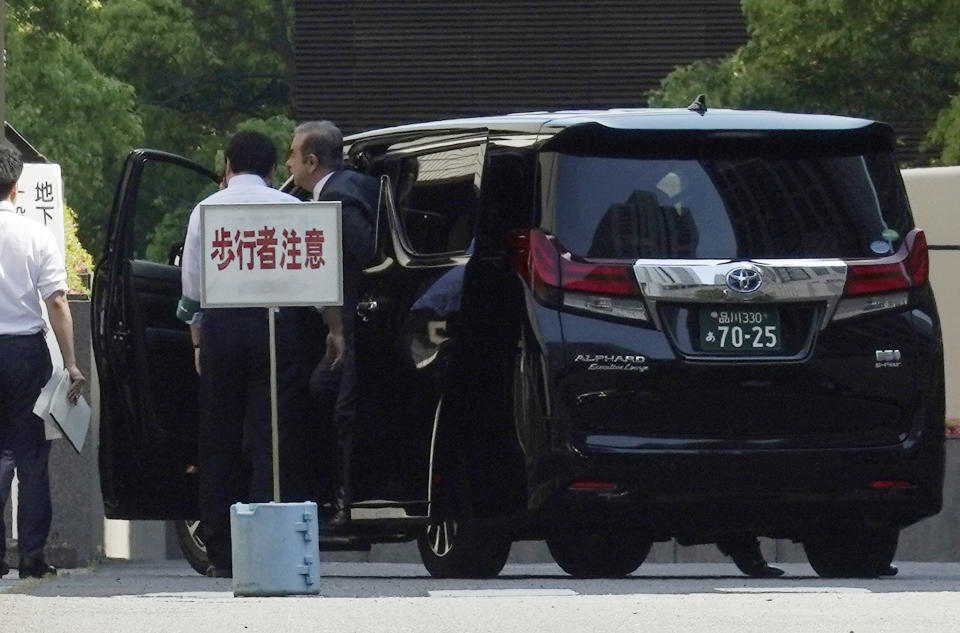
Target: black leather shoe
(757, 568)
(4, 570)
(36, 569)
(891, 570)
(339, 522)
(219, 572)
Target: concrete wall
(935, 199)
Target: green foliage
(945, 135)
(69, 18)
(884, 59)
(79, 261)
(89, 80)
(166, 233)
(203, 66)
(74, 114)
(176, 200)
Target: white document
(59, 404)
(62, 418)
(42, 407)
(72, 420)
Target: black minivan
(598, 328)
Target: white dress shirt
(31, 268)
(241, 188)
(317, 188)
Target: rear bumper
(777, 493)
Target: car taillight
(908, 268)
(890, 484)
(604, 279)
(557, 277)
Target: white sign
(40, 197)
(271, 254)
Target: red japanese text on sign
(314, 245)
(267, 248)
(257, 250)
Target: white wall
(934, 194)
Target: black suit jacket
(358, 195)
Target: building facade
(367, 64)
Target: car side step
(335, 543)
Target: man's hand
(336, 342)
(336, 350)
(62, 323)
(76, 382)
(195, 336)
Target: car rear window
(725, 208)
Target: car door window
(167, 195)
(437, 199)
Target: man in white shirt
(31, 268)
(232, 358)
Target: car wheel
(188, 537)
(452, 548)
(604, 554)
(865, 553)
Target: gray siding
(367, 64)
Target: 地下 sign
(40, 197)
(271, 254)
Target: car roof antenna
(699, 105)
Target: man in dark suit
(316, 164)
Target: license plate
(739, 330)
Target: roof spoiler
(596, 139)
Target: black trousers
(740, 545)
(24, 369)
(335, 397)
(235, 440)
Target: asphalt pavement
(169, 596)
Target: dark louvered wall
(366, 64)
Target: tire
(865, 553)
(451, 548)
(604, 554)
(188, 537)
(455, 544)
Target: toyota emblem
(744, 280)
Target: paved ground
(170, 597)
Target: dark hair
(11, 166)
(251, 152)
(324, 140)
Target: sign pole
(274, 413)
(3, 68)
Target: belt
(5, 337)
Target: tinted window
(437, 199)
(168, 193)
(716, 208)
(508, 195)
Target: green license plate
(739, 330)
